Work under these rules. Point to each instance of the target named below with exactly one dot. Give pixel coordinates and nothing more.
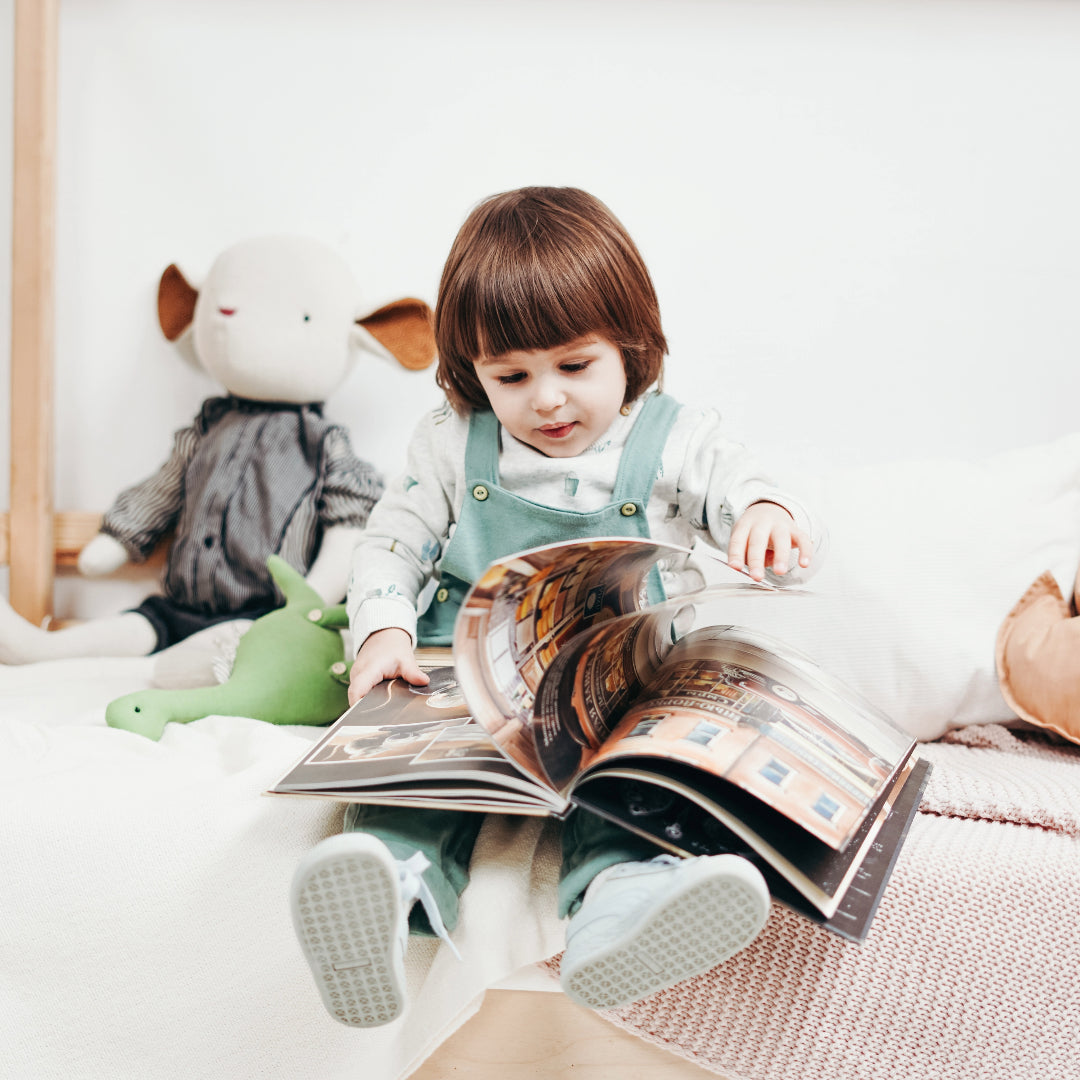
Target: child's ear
(401, 329)
(176, 302)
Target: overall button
(628, 509)
(442, 596)
(480, 493)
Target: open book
(566, 689)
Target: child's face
(559, 401)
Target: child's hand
(384, 655)
(764, 537)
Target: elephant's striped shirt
(248, 479)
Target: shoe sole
(713, 916)
(346, 911)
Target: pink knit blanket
(972, 966)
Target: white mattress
(144, 919)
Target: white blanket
(144, 917)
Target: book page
(839, 888)
(764, 720)
(402, 737)
(589, 687)
(525, 609)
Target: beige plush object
(1038, 658)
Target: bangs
(530, 300)
(537, 269)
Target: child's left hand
(764, 537)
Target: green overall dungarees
(495, 523)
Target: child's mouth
(558, 431)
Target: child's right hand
(386, 654)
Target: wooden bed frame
(550, 1035)
(28, 542)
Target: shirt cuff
(381, 613)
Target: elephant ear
(404, 330)
(1038, 659)
(176, 302)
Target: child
(549, 343)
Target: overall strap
(482, 448)
(644, 447)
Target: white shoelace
(414, 887)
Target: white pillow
(925, 560)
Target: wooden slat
(72, 531)
(536, 1035)
(32, 316)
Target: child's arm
(722, 490)
(386, 654)
(765, 536)
(398, 550)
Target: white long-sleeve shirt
(706, 482)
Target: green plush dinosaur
(290, 669)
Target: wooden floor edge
(543, 1035)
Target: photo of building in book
(762, 736)
(544, 611)
(621, 655)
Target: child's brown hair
(537, 268)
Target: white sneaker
(644, 926)
(351, 918)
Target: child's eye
(575, 366)
(508, 380)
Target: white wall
(861, 216)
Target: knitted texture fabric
(970, 968)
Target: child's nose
(548, 395)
